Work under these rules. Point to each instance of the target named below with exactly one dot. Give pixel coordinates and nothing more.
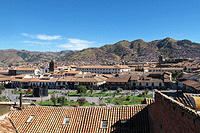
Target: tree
(82, 89)
(105, 89)
(91, 90)
(53, 99)
(118, 90)
(146, 91)
(29, 91)
(175, 75)
(1, 88)
(81, 101)
(62, 100)
(128, 98)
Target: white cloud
(42, 36)
(46, 37)
(37, 42)
(27, 35)
(76, 44)
(61, 42)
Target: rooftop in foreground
(81, 119)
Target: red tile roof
(6, 126)
(192, 83)
(105, 67)
(82, 119)
(120, 78)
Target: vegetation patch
(62, 101)
(126, 100)
(3, 99)
(67, 103)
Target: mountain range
(137, 50)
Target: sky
(56, 25)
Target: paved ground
(11, 97)
(15, 97)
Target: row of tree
(62, 100)
(83, 89)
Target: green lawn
(16, 92)
(51, 92)
(67, 103)
(3, 99)
(74, 94)
(126, 100)
(101, 94)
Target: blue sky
(55, 25)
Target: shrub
(141, 95)
(91, 90)
(82, 89)
(62, 100)
(128, 98)
(29, 91)
(117, 102)
(53, 99)
(146, 91)
(102, 104)
(81, 101)
(105, 89)
(118, 90)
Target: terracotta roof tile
(82, 119)
(6, 126)
(29, 69)
(192, 83)
(105, 67)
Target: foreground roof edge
(182, 106)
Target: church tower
(51, 66)
(160, 59)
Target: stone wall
(169, 116)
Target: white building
(168, 69)
(104, 69)
(20, 71)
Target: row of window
(92, 69)
(26, 71)
(148, 84)
(66, 121)
(165, 70)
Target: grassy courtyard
(100, 94)
(67, 103)
(126, 100)
(3, 99)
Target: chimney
(20, 100)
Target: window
(123, 121)
(152, 84)
(146, 84)
(104, 124)
(30, 118)
(160, 84)
(66, 121)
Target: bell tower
(51, 66)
